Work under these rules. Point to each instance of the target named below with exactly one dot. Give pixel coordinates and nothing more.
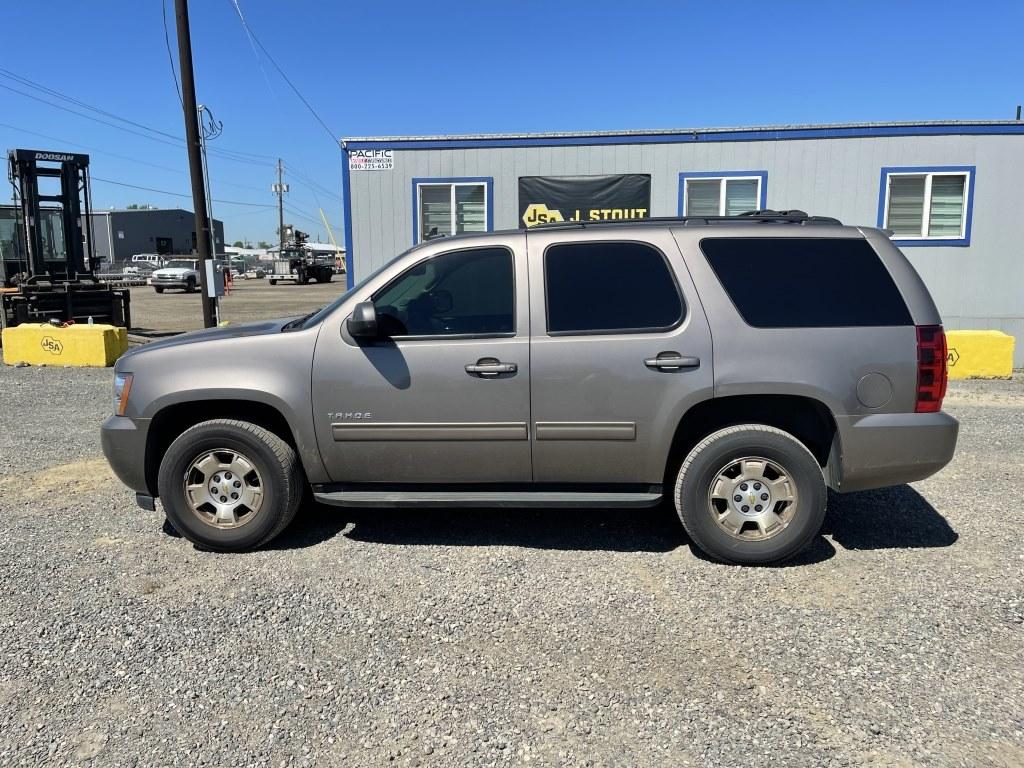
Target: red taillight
(931, 368)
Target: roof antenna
(1018, 113)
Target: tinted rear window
(616, 287)
(781, 282)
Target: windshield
(311, 320)
(181, 264)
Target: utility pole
(280, 188)
(204, 240)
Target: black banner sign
(545, 199)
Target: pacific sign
(371, 159)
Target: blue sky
(469, 67)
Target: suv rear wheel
(230, 485)
(751, 495)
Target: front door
(621, 349)
(444, 395)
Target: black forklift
(47, 260)
(299, 262)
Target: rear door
(620, 349)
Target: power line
(176, 194)
(311, 183)
(230, 154)
(250, 213)
(248, 30)
(177, 143)
(78, 102)
(170, 56)
(92, 148)
(87, 117)
(256, 55)
(291, 210)
(100, 151)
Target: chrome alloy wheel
(753, 498)
(223, 488)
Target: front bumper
(893, 448)
(124, 445)
(167, 283)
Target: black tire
(749, 543)
(280, 472)
(158, 288)
(273, 282)
(190, 285)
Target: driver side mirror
(363, 321)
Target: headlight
(122, 387)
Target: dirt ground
(177, 311)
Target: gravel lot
(504, 638)
(174, 311)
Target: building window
(451, 207)
(722, 193)
(927, 206)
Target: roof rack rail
(749, 217)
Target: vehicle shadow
(313, 524)
(613, 530)
(887, 518)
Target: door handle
(489, 366)
(671, 361)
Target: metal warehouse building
(120, 234)
(948, 190)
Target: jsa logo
(51, 345)
(539, 213)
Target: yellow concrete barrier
(78, 345)
(979, 354)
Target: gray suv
(735, 366)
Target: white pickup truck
(177, 273)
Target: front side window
(468, 292)
(611, 287)
(451, 209)
(927, 205)
(726, 195)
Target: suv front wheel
(751, 495)
(230, 485)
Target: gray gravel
(504, 638)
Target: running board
(510, 499)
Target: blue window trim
(487, 180)
(763, 175)
(346, 204)
(931, 242)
